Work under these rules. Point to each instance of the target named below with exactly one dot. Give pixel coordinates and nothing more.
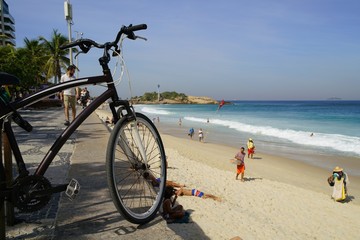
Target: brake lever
(145, 39)
(78, 54)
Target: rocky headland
(183, 100)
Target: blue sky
(232, 49)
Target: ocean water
(275, 126)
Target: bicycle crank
(25, 195)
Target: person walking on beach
(240, 162)
(201, 135)
(191, 132)
(70, 95)
(251, 148)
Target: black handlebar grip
(69, 45)
(137, 27)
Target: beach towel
(185, 219)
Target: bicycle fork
(139, 143)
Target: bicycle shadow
(93, 213)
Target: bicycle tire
(137, 193)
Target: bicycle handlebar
(86, 44)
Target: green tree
(56, 58)
(26, 63)
(174, 95)
(32, 59)
(7, 59)
(149, 96)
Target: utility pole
(77, 56)
(68, 18)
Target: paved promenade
(92, 215)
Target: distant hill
(172, 98)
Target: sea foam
(154, 111)
(324, 140)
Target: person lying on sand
(181, 191)
(196, 193)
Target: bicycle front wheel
(136, 174)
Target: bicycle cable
(123, 68)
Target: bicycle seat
(8, 79)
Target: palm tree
(56, 58)
(34, 47)
(37, 54)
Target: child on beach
(240, 168)
(170, 211)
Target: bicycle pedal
(72, 189)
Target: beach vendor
(251, 148)
(339, 181)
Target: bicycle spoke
(134, 187)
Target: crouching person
(170, 211)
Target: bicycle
(135, 153)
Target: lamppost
(76, 56)
(68, 18)
(158, 92)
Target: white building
(7, 25)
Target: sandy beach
(280, 198)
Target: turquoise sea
(275, 126)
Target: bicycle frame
(61, 140)
(133, 191)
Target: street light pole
(77, 56)
(68, 18)
(158, 92)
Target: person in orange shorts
(240, 164)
